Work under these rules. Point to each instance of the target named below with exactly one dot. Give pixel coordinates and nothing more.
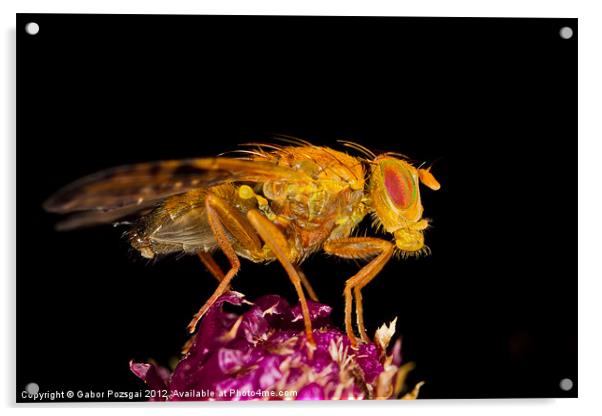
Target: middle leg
(277, 243)
(307, 285)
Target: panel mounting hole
(32, 28)
(32, 388)
(566, 384)
(566, 32)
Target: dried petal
(383, 335)
(151, 376)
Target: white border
(590, 178)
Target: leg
(359, 248)
(359, 313)
(307, 285)
(211, 265)
(220, 214)
(276, 241)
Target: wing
(92, 218)
(142, 184)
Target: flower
(263, 354)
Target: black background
(491, 313)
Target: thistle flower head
(263, 354)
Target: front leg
(360, 248)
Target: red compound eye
(399, 184)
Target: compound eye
(400, 185)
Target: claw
(192, 325)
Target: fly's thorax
(279, 190)
(394, 193)
(326, 164)
(351, 212)
(312, 201)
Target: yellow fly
(273, 202)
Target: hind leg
(222, 216)
(210, 264)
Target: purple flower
(263, 354)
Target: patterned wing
(142, 184)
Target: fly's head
(395, 201)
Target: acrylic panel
(399, 193)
